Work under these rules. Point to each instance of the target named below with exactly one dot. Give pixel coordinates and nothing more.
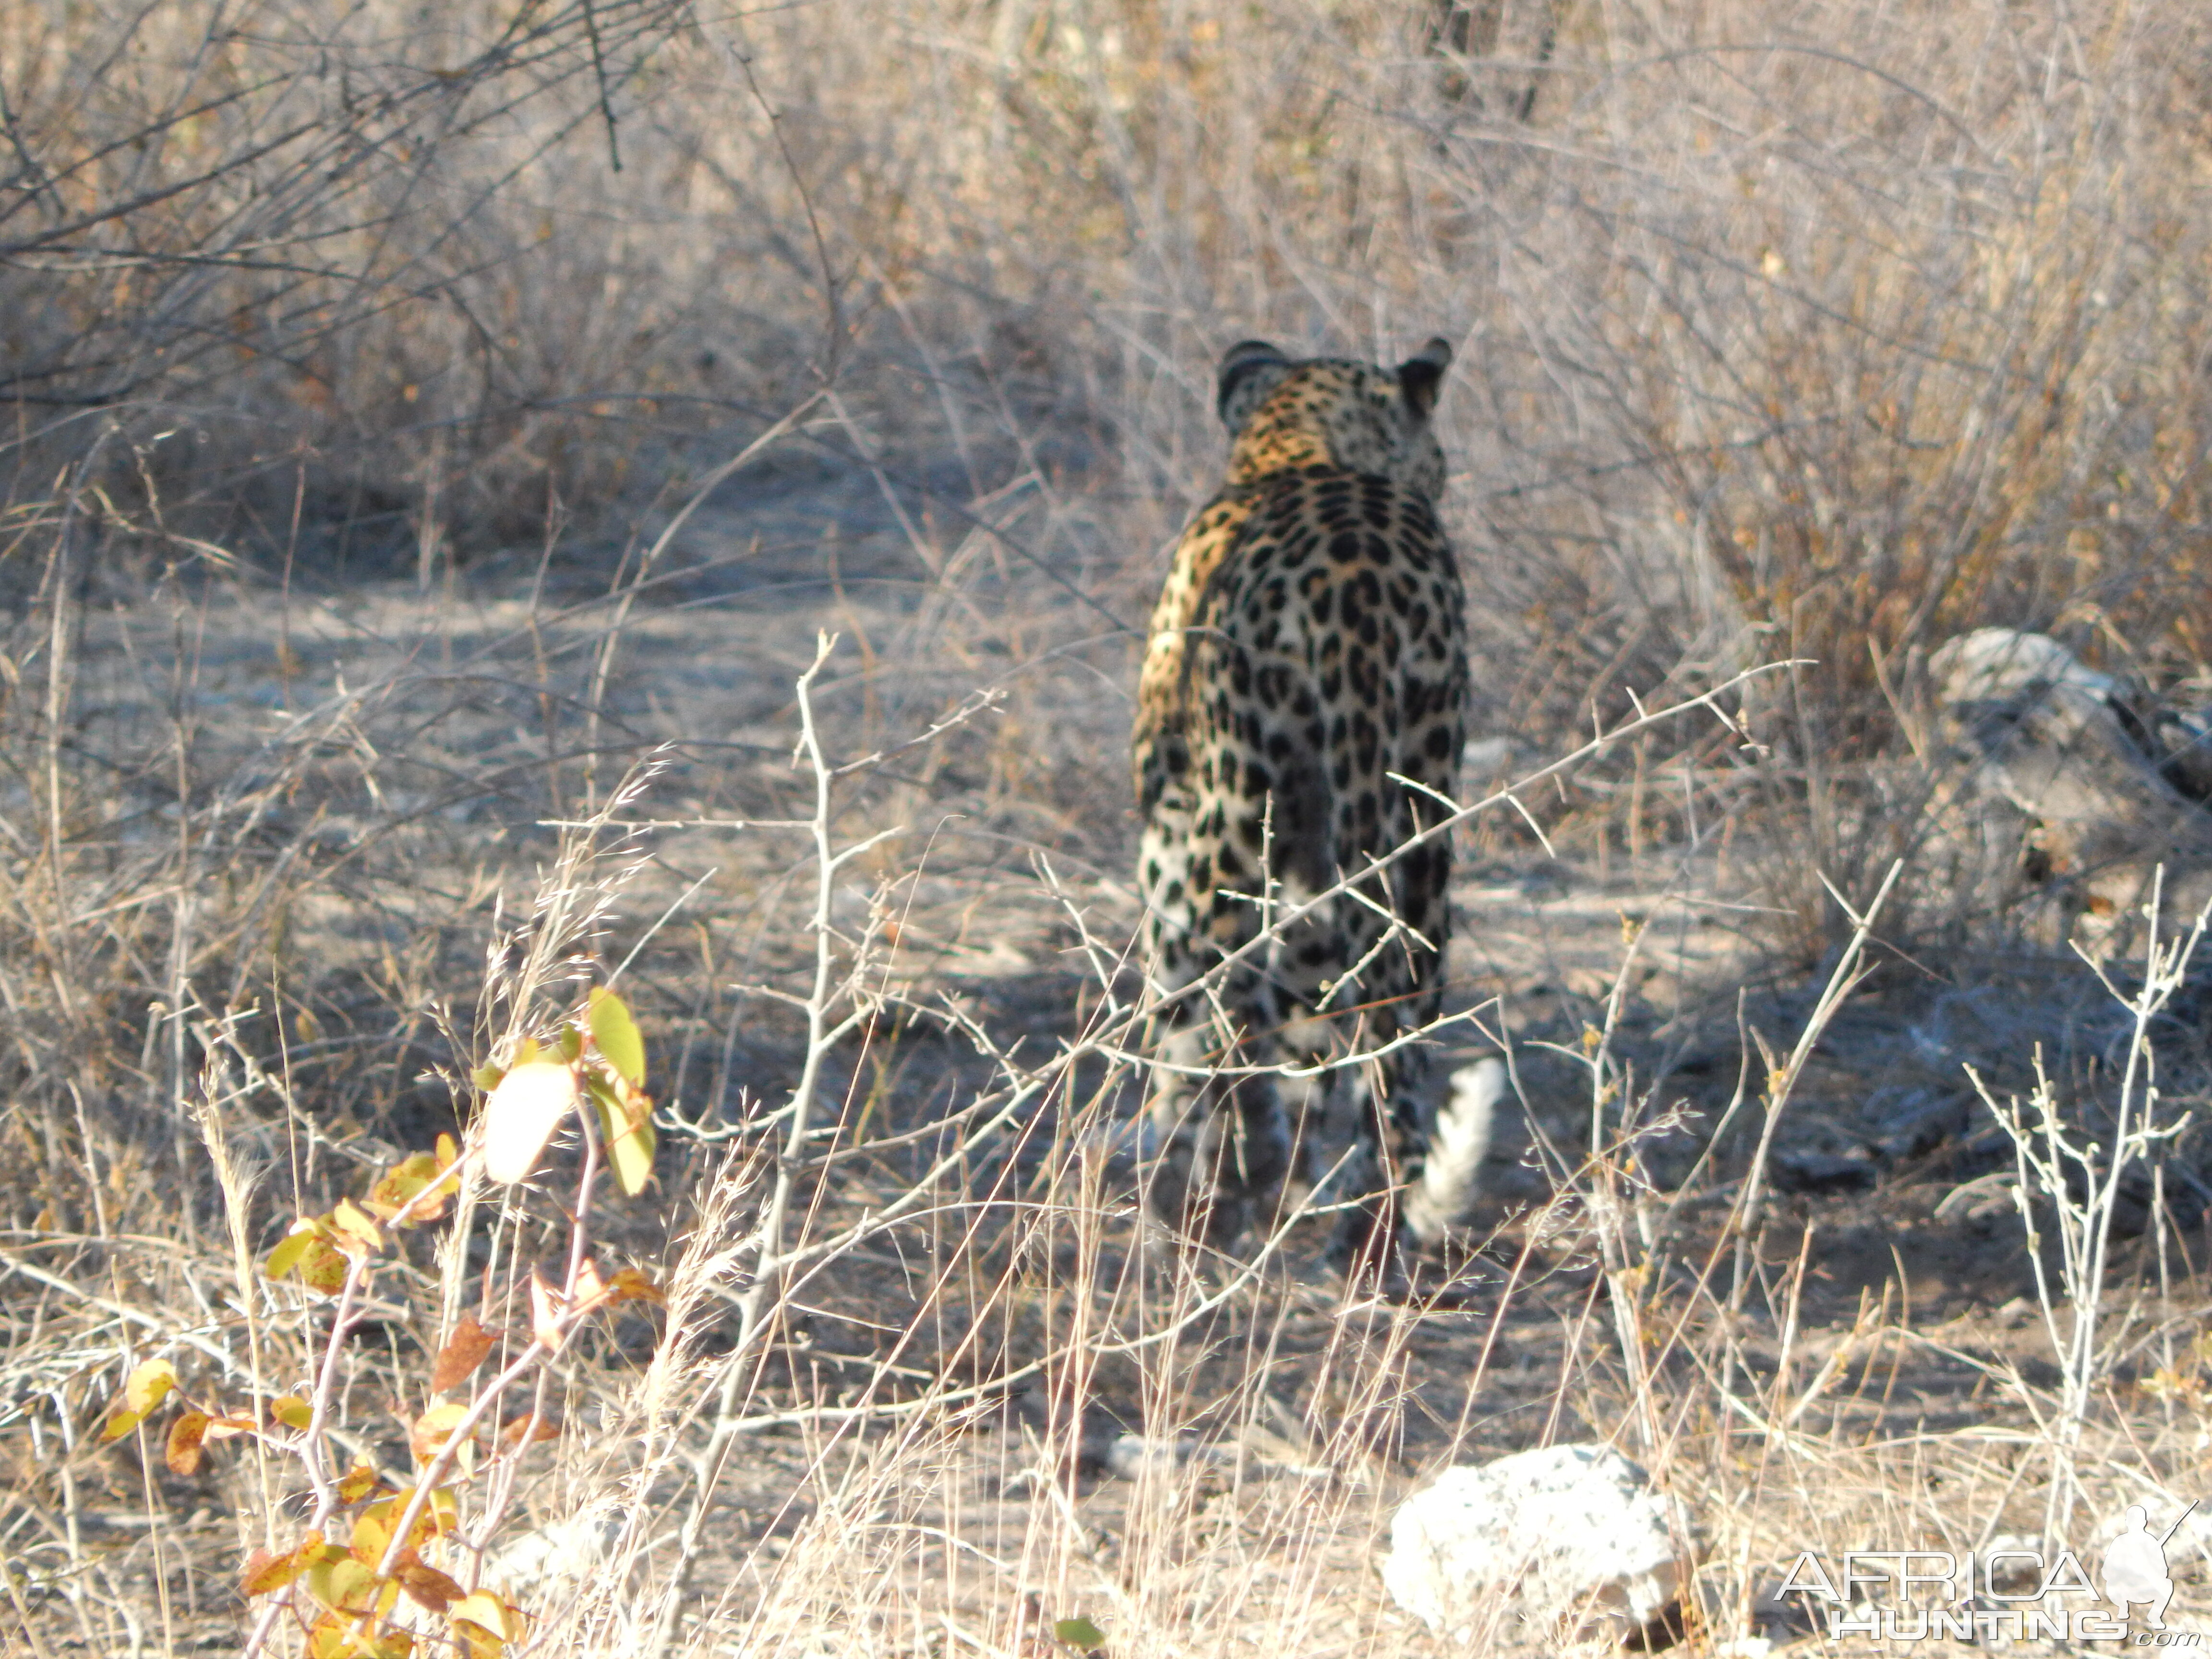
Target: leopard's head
(1284, 413)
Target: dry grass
(355, 556)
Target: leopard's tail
(1450, 1179)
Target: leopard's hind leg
(1223, 1140)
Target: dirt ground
(415, 751)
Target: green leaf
(324, 1269)
(343, 1584)
(305, 1234)
(1079, 1632)
(632, 1152)
(616, 1034)
(628, 1134)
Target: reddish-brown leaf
(429, 1587)
(464, 1352)
(529, 1427)
(632, 1285)
(265, 1572)
(186, 1435)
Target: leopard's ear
(1421, 377)
(1250, 369)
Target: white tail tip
(1451, 1178)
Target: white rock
(560, 1554)
(1992, 662)
(541, 1568)
(1568, 1530)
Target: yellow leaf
(343, 1584)
(120, 1422)
(441, 1514)
(488, 1612)
(149, 1385)
(340, 1636)
(352, 1220)
(264, 1572)
(632, 1152)
(291, 1411)
(372, 1535)
(403, 1186)
(521, 1116)
(434, 1428)
(357, 1482)
(425, 1200)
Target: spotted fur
(1308, 651)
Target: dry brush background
(436, 439)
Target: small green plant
(1079, 1634)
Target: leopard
(1301, 710)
